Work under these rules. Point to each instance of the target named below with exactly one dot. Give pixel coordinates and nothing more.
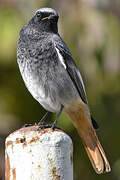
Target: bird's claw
(44, 126)
(27, 125)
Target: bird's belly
(51, 93)
(40, 92)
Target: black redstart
(51, 76)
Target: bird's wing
(71, 67)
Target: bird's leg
(41, 122)
(57, 117)
(43, 119)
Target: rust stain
(35, 139)
(9, 143)
(22, 140)
(14, 173)
(24, 144)
(26, 130)
(17, 141)
(7, 167)
(49, 130)
(36, 128)
(39, 166)
(54, 174)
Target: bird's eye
(38, 14)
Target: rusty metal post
(43, 154)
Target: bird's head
(45, 19)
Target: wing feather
(72, 69)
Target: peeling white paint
(39, 155)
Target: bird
(53, 79)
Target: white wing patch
(60, 57)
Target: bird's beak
(44, 18)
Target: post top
(35, 134)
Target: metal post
(38, 154)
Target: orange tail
(80, 117)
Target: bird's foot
(41, 122)
(53, 126)
(44, 126)
(57, 117)
(27, 125)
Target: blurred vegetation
(91, 28)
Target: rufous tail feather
(96, 154)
